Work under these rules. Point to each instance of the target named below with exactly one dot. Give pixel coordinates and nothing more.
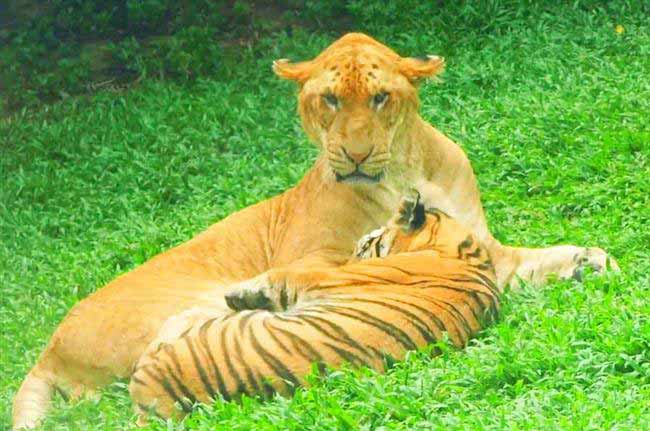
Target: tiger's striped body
(435, 279)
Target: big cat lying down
(409, 282)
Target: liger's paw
(595, 258)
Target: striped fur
(420, 277)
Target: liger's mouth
(358, 177)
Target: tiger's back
(357, 314)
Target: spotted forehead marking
(353, 75)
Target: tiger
(410, 282)
(358, 103)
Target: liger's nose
(357, 157)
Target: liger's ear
(411, 214)
(298, 72)
(416, 68)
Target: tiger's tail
(33, 399)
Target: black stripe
(302, 347)
(435, 319)
(465, 278)
(321, 367)
(453, 310)
(479, 277)
(433, 231)
(477, 317)
(378, 353)
(275, 338)
(454, 321)
(377, 247)
(63, 394)
(346, 355)
(419, 279)
(388, 328)
(203, 338)
(473, 293)
(483, 308)
(287, 319)
(436, 212)
(209, 322)
(240, 387)
(470, 293)
(167, 348)
(339, 335)
(278, 367)
(137, 380)
(371, 279)
(485, 266)
(243, 320)
(284, 298)
(187, 393)
(199, 367)
(421, 325)
(486, 281)
(269, 390)
(382, 263)
(162, 380)
(251, 378)
(463, 245)
(150, 410)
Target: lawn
(553, 109)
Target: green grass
(553, 110)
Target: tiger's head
(413, 228)
(354, 100)
(402, 233)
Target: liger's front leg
(451, 186)
(537, 265)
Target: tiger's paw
(594, 258)
(260, 293)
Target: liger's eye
(379, 99)
(331, 100)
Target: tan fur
(434, 278)
(313, 224)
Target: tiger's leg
(171, 330)
(176, 325)
(271, 290)
(280, 288)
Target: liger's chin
(358, 177)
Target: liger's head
(354, 97)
